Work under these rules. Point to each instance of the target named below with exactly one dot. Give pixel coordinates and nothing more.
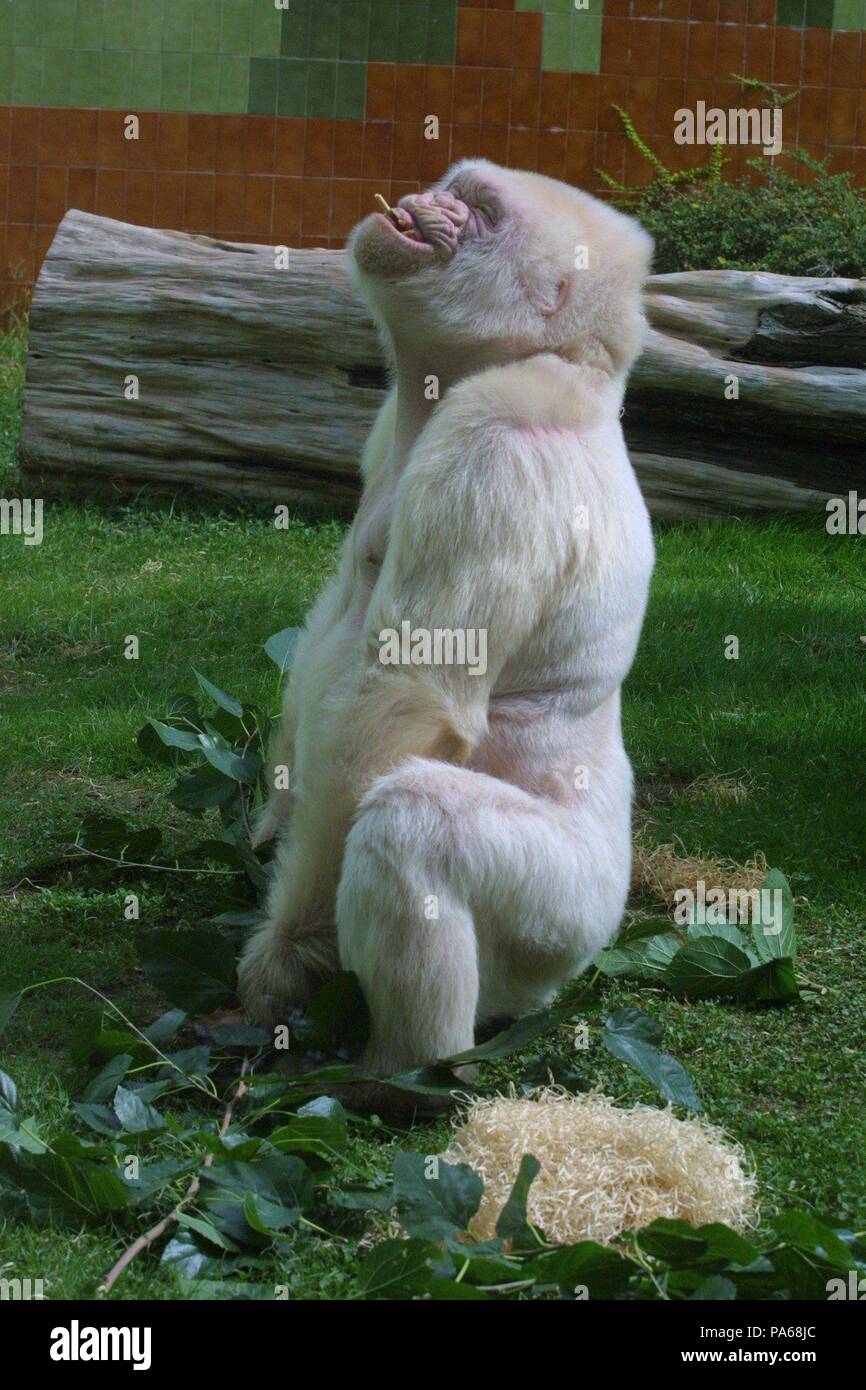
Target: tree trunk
(162, 359)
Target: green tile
(791, 13)
(264, 81)
(529, 5)
(237, 31)
(56, 77)
(146, 90)
(119, 32)
(559, 6)
(28, 22)
(412, 34)
(297, 21)
(354, 29)
(89, 24)
(149, 22)
(6, 64)
(292, 89)
(177, 73)
(27, 76)
(206, 26)
(384, 31)
(321, 88)
(325, 29)
(556, 43)
(848, 14)
(819, 14)
(586, 43)
(115, 79)
(7, 24)
(441, 32)
(351, 90)
(59, 23)
(267, 24)
(177, 27)
(84, 79)
(204, 86)
(234, 83)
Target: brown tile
(199, 208)
(50, 194)
(733, 11)
(170, 197)
(637, 172)
(319, 148)
(580, 158)
(671, 98)
(672, 48)
(650, 8)
(525, 97)
(496, 97)
(845, 59)
(466, 105)
(409, 93)
(582, 100)
(24, 135)
(258, 204)
(142, 153)
(641, 103)
(861, 118)
(759, 51)
(141, 197)
(787, 55)
(436, 155)
(229, 205)
(287, 209)
(111, 193)
(5, 132)
(465, 142)
(610, 150)
(701, 58)
(261, 144)
(202, 142)
(675, 9)
(378, 151)
(381, 91)
(528, 29)
(470, 37)
(612, 91)
(315, 207)
(289, 157)
(816, 57)
(401, 187)
(707, 11)
(407, 150)
(499, 38)
(231, 145)
(762, 11)
(494, 143)
(842, 116)
(615, 36)
(111, 143)
(523, 149)
(551, 153)
(22, 193)
(348, 148)
(727, 94)
(438, 92)
(54, 136)
(813, 104)
(644, 44)
(345, 206)
(554, 100)
(730, 49)
(81, 189)
(173, 140)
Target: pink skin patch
(437, 222)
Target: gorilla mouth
(433, 222)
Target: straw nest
(604, 1170)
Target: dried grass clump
(604, 1170)
(660, 870)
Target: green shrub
(772, 221)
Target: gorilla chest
(373, 529)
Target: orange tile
(81, 189)
(816, 57)
(496, 97)
(845, 58)
(378, 150)
(580, 157)
(470, 37)
(842, 116)
(319, 148)
(111, 143)
(170, 198)
(315, 207)
(551, 153)
(50, 194)
(381, 91)
(258, 204)
(111, 193)
(787, 55)
(582, 100)
(615, 39)
(53, 136)
(289, 156)
(499, 38)
(523, 149)
(813, 105)
(229, 205)
(261, 144)
(22, 193)
(672, 48)
(200, 203)
(465, 142)
(436, 156)
(409, 92)
(701, 58)
(407, 150)
(24, 135)
(173, 141)
(760, 43)
(528, 29)
(554, 100)
(141, 197)
(348, 148)
(143, 152)
(231, 145)
(438, 92)
(345, 206)
(525, 97)
(644, 44)
(202, 143)
(468, 87)
(287, 210)
(641, 102)
(494, 143)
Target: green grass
(204, 584)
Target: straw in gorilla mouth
(437, 222)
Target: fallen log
(161, 359)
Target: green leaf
(8, 1094)
(774, 934)
(398, 1269)
(281, 647)
(175, 738)
(336, 1017)
(434, 1198)
(106, 1081)
(319, 1127)
(707, 967)
(202, 789)
(134, 1115)
(56, 1190)
(166, 1027)
(512, 1223)
(631, 1035)
(207, 1231)
(9, 1001)
(772, 982)
(640, 960)
(266, 1218)
(714, 1289)
(603, 1272)
(194, 969)
(513, 1038)
(219, 697)
(244, 768)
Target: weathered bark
(263, 382)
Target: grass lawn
(204, 584)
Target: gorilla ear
(556, 299)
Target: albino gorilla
(459, 834)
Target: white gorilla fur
(508, 505)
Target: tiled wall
(276, 120)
